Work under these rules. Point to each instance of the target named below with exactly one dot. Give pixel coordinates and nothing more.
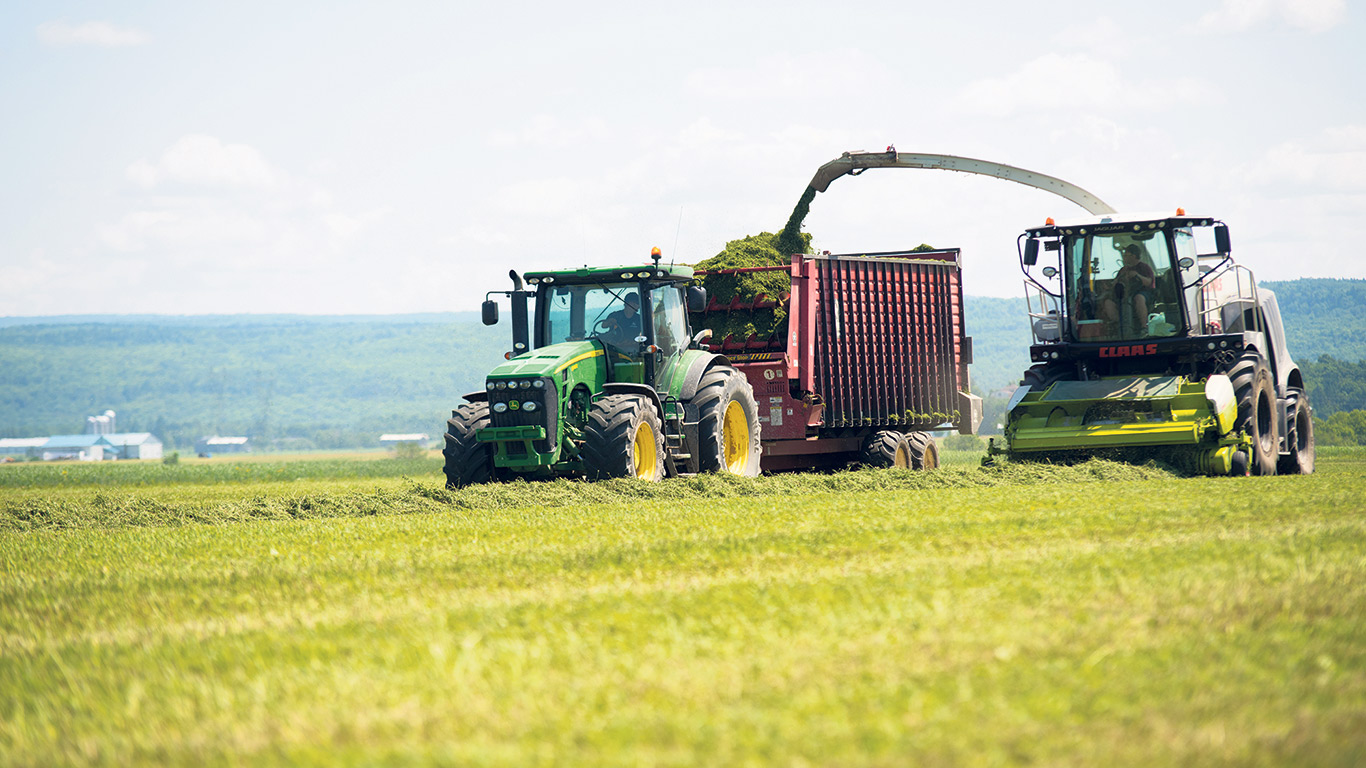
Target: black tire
(924, 451)
(723, 396)
(1256, 395)
(1043, 375)
(885, 449)
(1300, 441)
(468, 461)
(623, 438)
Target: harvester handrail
(1213, 297)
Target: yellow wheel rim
(902, 458)
(735, 438)
(643, 451)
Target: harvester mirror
(490, 312)
(1049, 272)
(1221, 243)
(1031, 254)
(697, 298)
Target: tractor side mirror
(697, 299)
(490, 312)
(1221, 243)
(1031, 254)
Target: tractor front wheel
(468, 461)
(623, 438)
(727, 423)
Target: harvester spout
(854, 163)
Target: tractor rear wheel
(623, 438)
(1300, 441)
(886, 448)
(727, 423)
(1256, 395)
(468, 461)
(924, 451)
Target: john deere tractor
(1146, 348)
(604, 380)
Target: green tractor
(606, 380)
(1143, 347)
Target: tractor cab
(637, 316)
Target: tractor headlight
(502, 385)
(529, 406)
(489, 386)
(500, 407)
(539, 384)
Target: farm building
(136, 445)
(77, 448)
(124, 445)
(22, 446)
(208, 446)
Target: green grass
(1090, 615)
(193, 472)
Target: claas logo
(1129, 350)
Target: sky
(329, 157)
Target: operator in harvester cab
(623, 325)
(1135, 282)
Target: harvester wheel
(1300, 441)
(623, 438)
(924, 451)
(727, 423)
(886, 448)
(1256, 411)
(468, 461)
(1042, 375)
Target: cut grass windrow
(119, 508)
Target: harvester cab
(604, 380)
(1143, 346)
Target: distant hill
(335, 382)
(341, 381)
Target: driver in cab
(623, 325)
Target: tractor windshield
(1121, 287)
(609, 312)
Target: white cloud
(1332, 162)
(796, 80)
(100, 33)
(1077, 81)
(200, 160)
(547, 132)
(1309, 15)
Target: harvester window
(1122, 288)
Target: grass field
(1099, 614)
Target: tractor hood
(553, 360)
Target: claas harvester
(1144, 347)
(604, 380)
